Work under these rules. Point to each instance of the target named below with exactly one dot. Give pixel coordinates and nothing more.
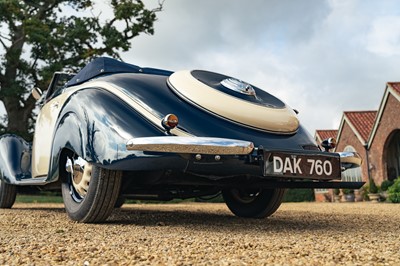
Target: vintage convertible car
(111, 132)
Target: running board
(38, 181)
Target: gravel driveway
(204, 234)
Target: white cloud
(384, 36)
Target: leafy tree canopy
(39, 37)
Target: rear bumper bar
(191, 145)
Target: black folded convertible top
(105, 65)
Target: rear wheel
(8, 194)
(253, 203)
(120, 201)
(89, 192)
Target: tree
(37, 38)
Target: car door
(45, 125)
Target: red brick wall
(389, 123)
(349, 138)
(323, 197)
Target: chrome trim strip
(193, 145)
(350, 160)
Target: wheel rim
(80, 173)
(245, 196)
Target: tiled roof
(395, 86)
(362, 121)
(325, 134)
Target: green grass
(24, 198)
(129, 201)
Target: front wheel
(253, 203)
(8, 194)
(89, 192)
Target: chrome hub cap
(243, 196)
(81, 172)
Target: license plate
(312, 166)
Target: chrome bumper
(193, 145)
(350, 160)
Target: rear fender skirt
(15, 159)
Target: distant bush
(373, 189)
(348, 191)
(386, 184)
(394, 191)
(299, 195)
(364, 192)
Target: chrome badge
(238, 86)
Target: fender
(15, 159)
(98, 130)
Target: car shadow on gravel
(221, 220)
(281, 221)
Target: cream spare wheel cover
(234, 100)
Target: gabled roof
(361, 122)
(395, 86)
(392, 88)
(321, 134)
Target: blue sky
(320, 57)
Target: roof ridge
(362, 111)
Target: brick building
(375, 135)
(384, 141)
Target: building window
(351, 175)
